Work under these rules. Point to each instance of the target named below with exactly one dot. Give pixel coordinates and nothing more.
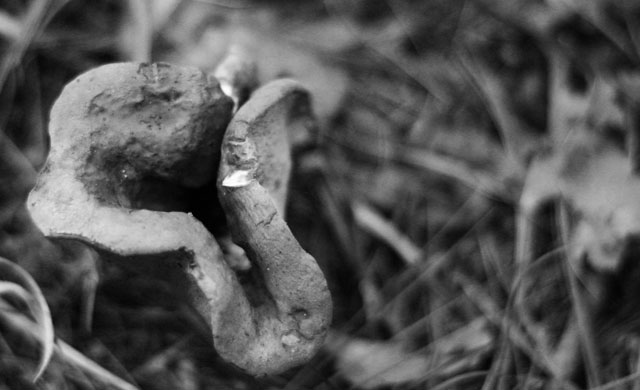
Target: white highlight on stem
(239, 178)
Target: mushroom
(130, 146)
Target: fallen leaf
(371, 364)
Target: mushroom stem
(290, 302)
(294, 309)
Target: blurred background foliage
(430, 112)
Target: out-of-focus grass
(406, 198)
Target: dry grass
(407, 197)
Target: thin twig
(9, 26)
(371, 221)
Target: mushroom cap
(132, 121)
(127, 139)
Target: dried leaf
(372, 364)
(259, 32)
